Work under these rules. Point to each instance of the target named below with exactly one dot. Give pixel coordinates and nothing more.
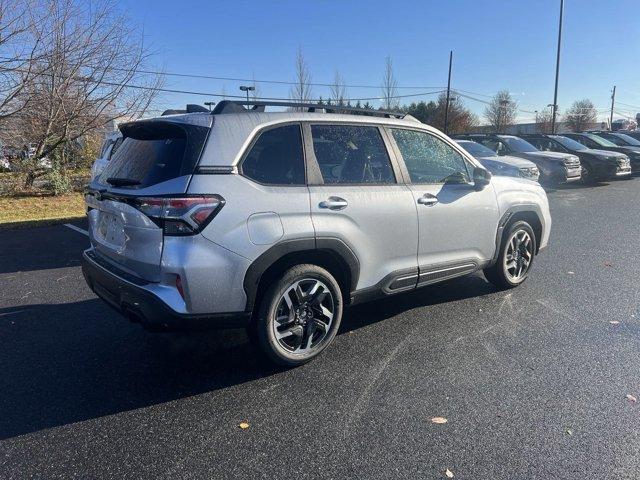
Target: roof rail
(236, 106)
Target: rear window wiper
(122, 182)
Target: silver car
(278, 220)
(501, 165)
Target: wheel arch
(332, 254)
(529, 213)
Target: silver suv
(278, 220)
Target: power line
(222, 95)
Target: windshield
(627, 140)
(599, 140)
(518, 145)
(569, 143)
(476, 149)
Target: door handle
(428, 200)
(334, 203)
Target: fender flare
(273, 254)
(507, 215)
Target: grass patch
(36, 209)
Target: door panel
(360, 202)
(459, 228)
(378, 223)
(457, 224)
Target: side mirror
(481, 178)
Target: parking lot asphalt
(533, 381)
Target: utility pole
(555, 92)
(613, 102)
(446, 107)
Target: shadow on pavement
(77, 361)
(42, 248)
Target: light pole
(446, 107)
(246, 88)
(209, 104)
(555, 92)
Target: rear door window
(349, 154)
(276, 158)
(153, 152)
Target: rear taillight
(180, 216)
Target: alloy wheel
(304, 316)
(518, 256)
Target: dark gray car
(505, 165)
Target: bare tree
(543, 121)
(18, 50)
(501, 111)
(581, 116)
(301, 91)
(338, 89)
(88, 73)
(389, 86)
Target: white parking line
(77, 229)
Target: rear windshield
(153, 152)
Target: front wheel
(299, 315)
(517, 251)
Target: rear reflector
(179, 286)
(180, 216)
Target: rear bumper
(128, 296)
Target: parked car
(622, 139)
(5, 165)
(555, 168)
(111, 143)
(632, 133)
(596, 142)
(277, 220)
(597, 165)
(501, 165)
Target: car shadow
(72, 362)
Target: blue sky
(508, 44)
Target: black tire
(498, 274)
(587, 175)
(265, 325)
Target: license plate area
(110, 230)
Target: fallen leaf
(571, 273)
(631, 398)
(448, 473)
(614, 322)
(243, 425)
(439, 420)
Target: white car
(111, 142)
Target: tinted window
(546, 145)
(569, 143)
(153, 152)
(476, 149)
(429, 159)
(276, 158)
(518, 145)
(351, 154)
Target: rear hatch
(127, 202)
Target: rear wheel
(515, 259)
(299, 315)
